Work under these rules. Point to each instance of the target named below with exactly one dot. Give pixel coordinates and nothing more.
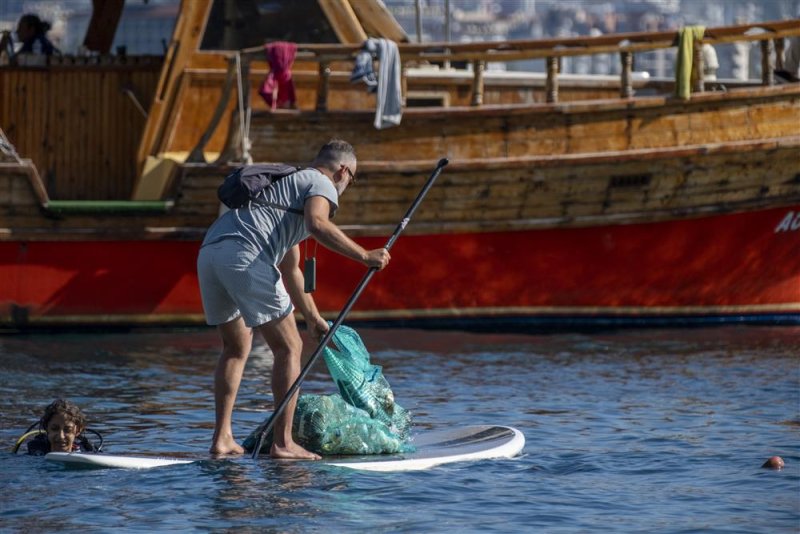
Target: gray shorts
(236, 281)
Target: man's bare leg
(237, 340)
(284, 340)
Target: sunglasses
(350, 173)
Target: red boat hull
(734, 266)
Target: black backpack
(246, 183)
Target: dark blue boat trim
(475, 323)
(550, 322)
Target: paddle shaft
(264, 428)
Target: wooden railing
(626, 45)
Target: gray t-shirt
(274, 230)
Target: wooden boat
(569, 201)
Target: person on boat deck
(250, 279)
(63, 424)
(32, 33)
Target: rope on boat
(244, 115)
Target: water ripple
(635, 431)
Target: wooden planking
(378, 21)
(199, 96)
(9, 196)
(480, 191)
(76, 124)
(582, 190)
(528, 130)
(167, 131)
(564, 192)
(200, 91)
(343, 20)
(184, 43)
(198, 190)
(21, 196)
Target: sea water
(627, 431)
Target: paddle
(265, 427)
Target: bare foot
(292, 451)
(225, 446)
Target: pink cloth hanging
(277, 89)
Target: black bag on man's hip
(246, 183)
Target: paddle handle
(265, 427)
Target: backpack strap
(284, 172)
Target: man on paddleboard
(250, 279)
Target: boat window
(236, 24)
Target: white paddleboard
(433, 447)
(437, 447)
(81, 459)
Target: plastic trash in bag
(362, 384)
(362, 419)
(328, 426)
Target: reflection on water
(626, 431)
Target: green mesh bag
(362, 384)
(328, 425)
(363, 419)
